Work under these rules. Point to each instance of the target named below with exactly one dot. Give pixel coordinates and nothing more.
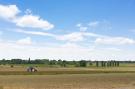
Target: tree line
(111, 63)
(65, 63)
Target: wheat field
(72, 81)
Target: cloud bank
(11, 13)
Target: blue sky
(67, 29)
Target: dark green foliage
(117, 63)
(64, 63)
(107, 63)
(59, 62)
(16, 61)
(97, 64)
(90, 63)
(53, 62)
(83, 63)
(29, 62)
(102, 64)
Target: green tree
(53, 62)
(97, 64)
(64, 62)
(83, 63)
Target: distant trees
(53, 62)
(111, 63)
(29, 61)
(97, 64)
(117, 63)
(65, 63)
(3, 61)
(83, 63)
(16, 61)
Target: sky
(67, 29)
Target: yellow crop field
(73, 81)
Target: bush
(83, 63)
(11, 66)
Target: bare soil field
(66, 81)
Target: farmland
(72, 81)
(17, 77)
(21, 70)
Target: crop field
(21, 70)
(67, 78)
(72, 81)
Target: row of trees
(64, 63)
(107, 63)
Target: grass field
(67, 78)
(72, 81)
(21, 70)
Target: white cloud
(70, 45)
(25, 41)
(33, 22)
(15, 50)
(81, 36)
(73, 37)
(93, 34)
(77, 36)
(81, 27)
(8, 11)
(94, 24)
(68, 51)
(35, 33)
(11, 13)
(28, 12)
(114, 41)
(112, 49)
(97, 25)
